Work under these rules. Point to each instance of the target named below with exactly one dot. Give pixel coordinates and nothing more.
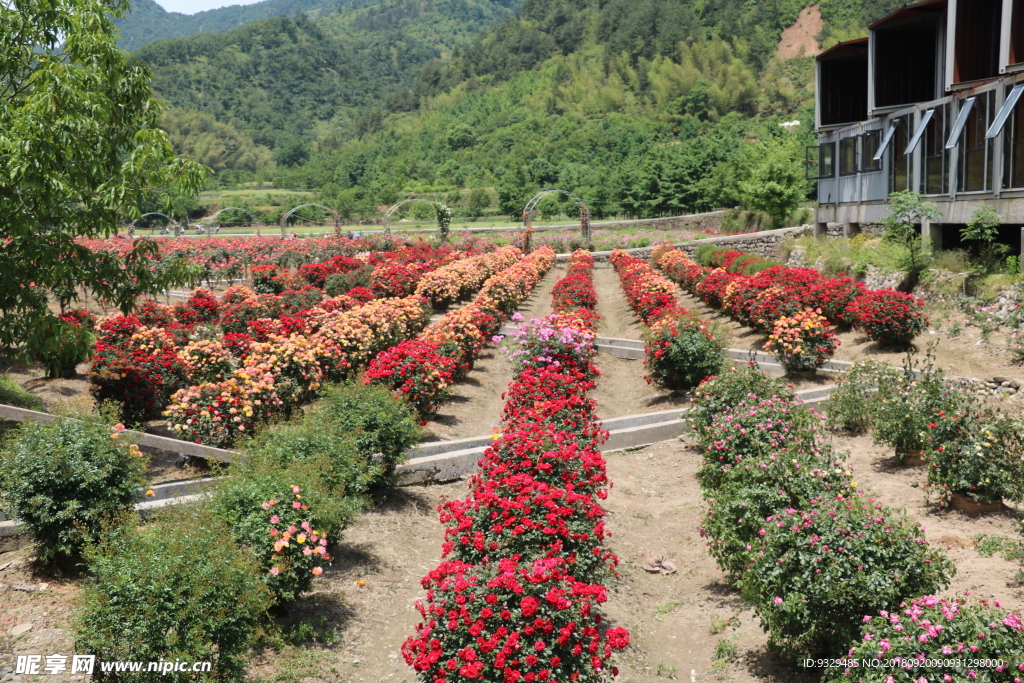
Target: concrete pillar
(850, 229)
(821, 230)
(931, 235)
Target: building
(929, 102)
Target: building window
(868, 148)
(827, 160)
(899, 163)
(848, 156)
(975, 151)
(935, 156)
(1013, 136)
(1017, 33)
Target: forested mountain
(294, 84)
(148, 21)
(640, 106)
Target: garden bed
(653, 508)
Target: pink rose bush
(937, 639)
(787, 523)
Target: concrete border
(449, 460)
(163, 443)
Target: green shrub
(339, 283)
(13, 394)
(705, 253)
(851, 407)
(681, 352)
(816, 572)
(176, 589)
(764, 487)
(384, 427)
(314, 442)
(276, 515)
(983, 460)
(62, 480)
(910, 402)
(752, 429)
(734, 385)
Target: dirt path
(617, 320)
(621, 389)
(474, 406)
(654, 507)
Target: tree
(479, 199)
(905, 211)
(776, 185)
(80, 147)
(983, 228)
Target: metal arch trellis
(337, 217)
(391, 211)
(256, 220)
(131, 226)
(532, 205)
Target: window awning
(961, 121)
(886, 140)
(1004, 113)
(920, 130)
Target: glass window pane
(848, 156)
(869, 147)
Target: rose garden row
(516, 597)
(830, 571)
(776, 292)
(680, 350)
(421, 370)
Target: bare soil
(799, 39)
(621, 389)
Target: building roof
(847, 46)
(917, 10)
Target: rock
(1000, 379)
(21, 586)
(1005, 384)
(1015, 383)
(21, 628)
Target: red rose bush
(518, 595)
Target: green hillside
(295, 84)
(148, 21)
(643, 107)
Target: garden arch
(251, 215)
(532, 205)
(288, 214)
(174, 223)
(391, 211)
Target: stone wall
(697, 222)
(764, 244)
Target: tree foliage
(80, 146)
